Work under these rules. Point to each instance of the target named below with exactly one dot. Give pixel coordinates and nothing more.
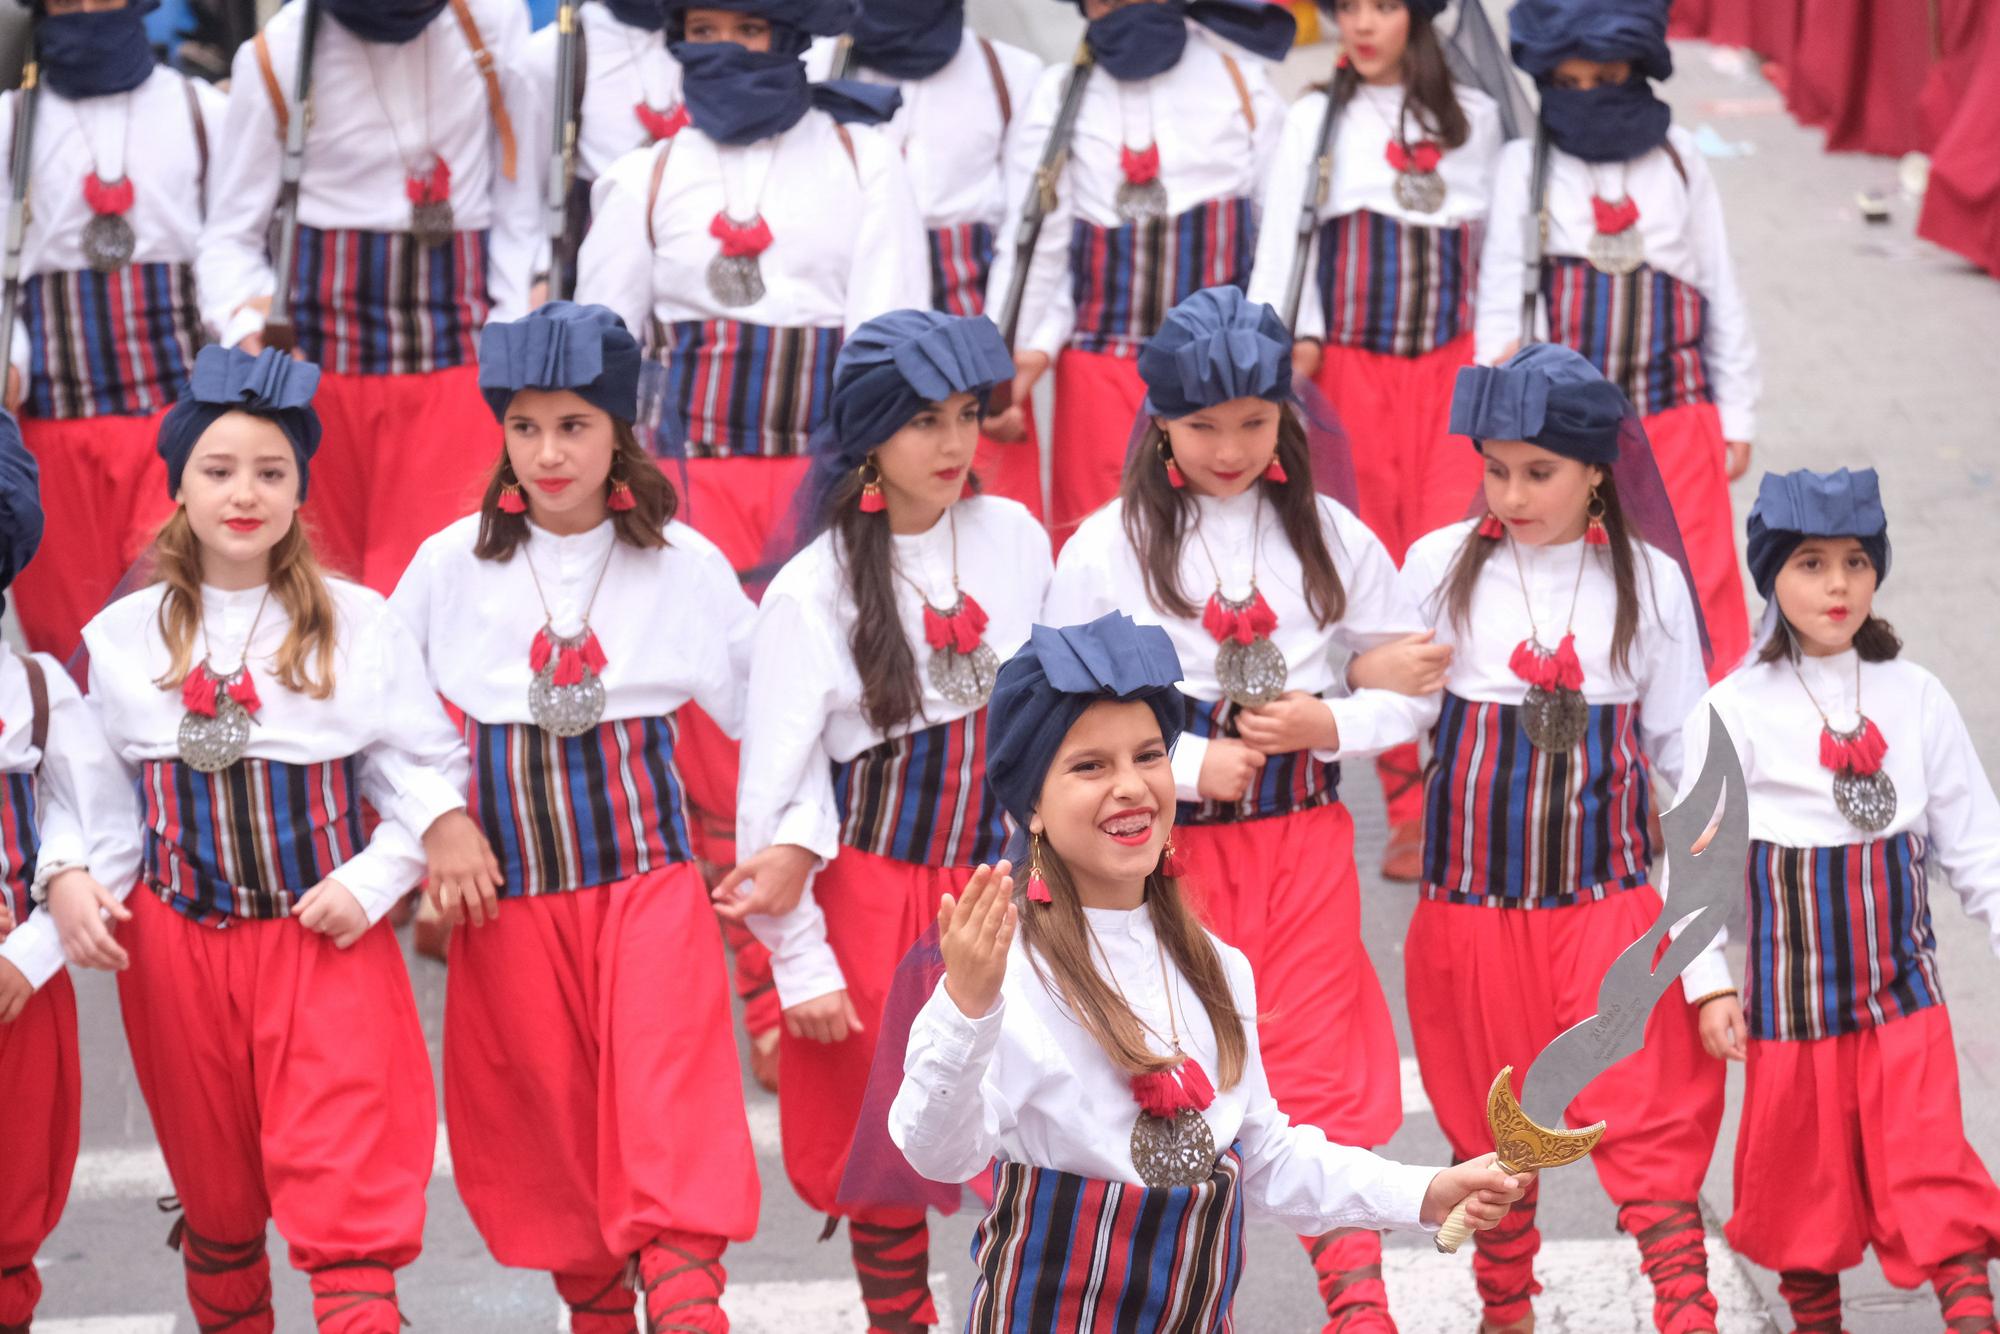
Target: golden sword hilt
(1523, 1146)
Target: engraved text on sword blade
(1705, 886)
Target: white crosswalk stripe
(109, 1324)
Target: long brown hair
(1157, 520)
(1427, 84)
(1058, 933)
(297, 583)
(654, 501)
(1463, 577)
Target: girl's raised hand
(974, 933)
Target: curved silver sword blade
(1703, 887)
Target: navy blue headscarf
(1612, 122)
(226, 379)
(650, 15)
(1793, 506)
(1045, 687)
(1139, 40)
(1214, 346)
(908, 39)
(561, 345)
(737, 96)
(96, 54)
(393, 21)
(20, 503)
(1546, 394)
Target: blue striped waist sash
(961, 257)
(1287, 783)
(1124, 280)
(749, 390)
(20, 842)
(922, 797)
(1642, 329)
(247, 841)
(1395, 287)
(566, 813)
(1840, 937)
(1510, 826)
(383, 303)
(109, 344)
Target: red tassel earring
(511, 500)
(1038, 888)
(1594, 534)
(1276, 472)
(1491, 528)
(871, 488)
(1174, 478)
(621, 498)
(1172, 864)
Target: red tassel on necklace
(1861, 753)
(1614, 218)
(1550, 671)
(662, 124)
(1166, 1092)
(107, 196)
(569, 666)
(1140, 167)
(432, 187)
(540, 650)
(1244, 625)
(593, 653)
(1423, 157)
(1491, 528)
(198, 691)
(959, 630)
(244, 691)
(740, 239)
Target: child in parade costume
(68, 827)
(1157, 198)
(261, 892)
(1635, 268)
(1574, 653)
(1219, 494)
(108, 323)
(587, 1006)
(406, 242)
(1109, 1062)
(960, 93)
(1862, 782)
(863, 798)
(1385, 315)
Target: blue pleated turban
(1792, 506)
(270, 385)
(897, 364)
(1213, 347)
(584, 349)
(1546, 394)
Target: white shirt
(623, 67)
(1099, 572)
(379, 110)
(1681, 221)
(673, 622)
(1027, 1083)
(1208, 150)
(804, 713)
(1665, 675)
(87, 814)
(412, 764)
(949, 128)
(846, 242)
(1362, 179)
(146, 135)
(1942, 791)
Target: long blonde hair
(297, 582)
(1059, 933)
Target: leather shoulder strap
(1674, 156)
(496, 101)
(272, 88)
(999, 76)
(200, 132)
(1242, 88)
(38, 696)
(847, 142)
(653, 189)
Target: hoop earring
(871, 487)
(1038, 888)
(1594, 533)
(1174, 478)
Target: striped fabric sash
(749, 390)
(109, 344)
(961, 257)
(1286, 783)
(1508, 826)
(565, 813)
(1394, 287)
(1071, 1253)
(921, 797)
(1124, 280)
(20, 839)
(381, 303)
(1642, 330)
(246, 841)
(1840, 938)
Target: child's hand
(1307, 356)
(331, 909)
(1228, 768)
(1488, 1192)
(464, 874)
(1292, 721)
(974, 934)
(777, 878)
(1412, 665)
(77, 905)
(1723, 1028)
(15, 992)
(828, 1018)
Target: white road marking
(1415, 1101)
(109, 1324)
(1592, 1287)
(825, 1306)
